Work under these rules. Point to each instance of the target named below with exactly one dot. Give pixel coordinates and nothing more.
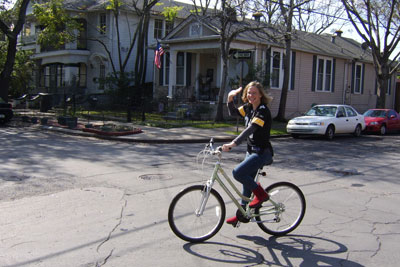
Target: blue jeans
(246, 171)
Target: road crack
(121, 215)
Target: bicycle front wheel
(286, 211)
(185, 219)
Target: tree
(121, 77)
(377, 22)
(22, 70)
(293, 15)
(223, 18)
(57, 26)
(11, 28)
(318, 16)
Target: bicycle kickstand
(237, 225)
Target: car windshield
(375, 113)
(328, 111)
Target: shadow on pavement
(283, 251)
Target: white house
(79, 65)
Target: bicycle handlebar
(213, 151)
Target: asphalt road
(73, 201)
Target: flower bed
(113, 130)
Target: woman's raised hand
(233, 93)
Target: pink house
(324, 68)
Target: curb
(133, 140)
(143, 140)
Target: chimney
(257, 16)
(333, 39)
(339, 33)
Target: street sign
(242, 55)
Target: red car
(382, 120)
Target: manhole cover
(357, 185)
(344, 172)
(16, 178)
(155, 177)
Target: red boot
(260, 197)
(233, 220)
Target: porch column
(220, 67)
(197, 72)
(172, 72)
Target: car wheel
(357, 131)
(383, 130)
(330, 132)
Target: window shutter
(268, 67)
(293, 69)
(389, 85)
(188, 69)
(333, 75)
(314, 74)
(362, 77)
(376, 87)
(353, 72)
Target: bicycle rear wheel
(184, 220)
(286, 214)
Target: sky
(348, 29)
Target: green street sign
(242, 55)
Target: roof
(96, 5)
(320, 44)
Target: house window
(180, 68)
(158, 26)
(195, 29)
(53, 76)
(324, 74)
(82, 38)
(27, 29)
(82, 75)
(45, 81)
(357, 78)
(103, 23)
(276, 67)
(169, 25)
(60, 75)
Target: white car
(327, 120)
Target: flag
(157, 55)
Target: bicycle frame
(215, 177)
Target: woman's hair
(265, 98)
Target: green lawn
(157, 120)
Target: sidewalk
(147, 134)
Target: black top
(258, 126)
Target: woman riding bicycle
(258, 121)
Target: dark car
(381, 121)
(6, 112)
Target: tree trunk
(5, 75)
(219, 116)
(382, 85)
(382, 76)
(287, 12)
(285, 87)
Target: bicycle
(197, 212)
